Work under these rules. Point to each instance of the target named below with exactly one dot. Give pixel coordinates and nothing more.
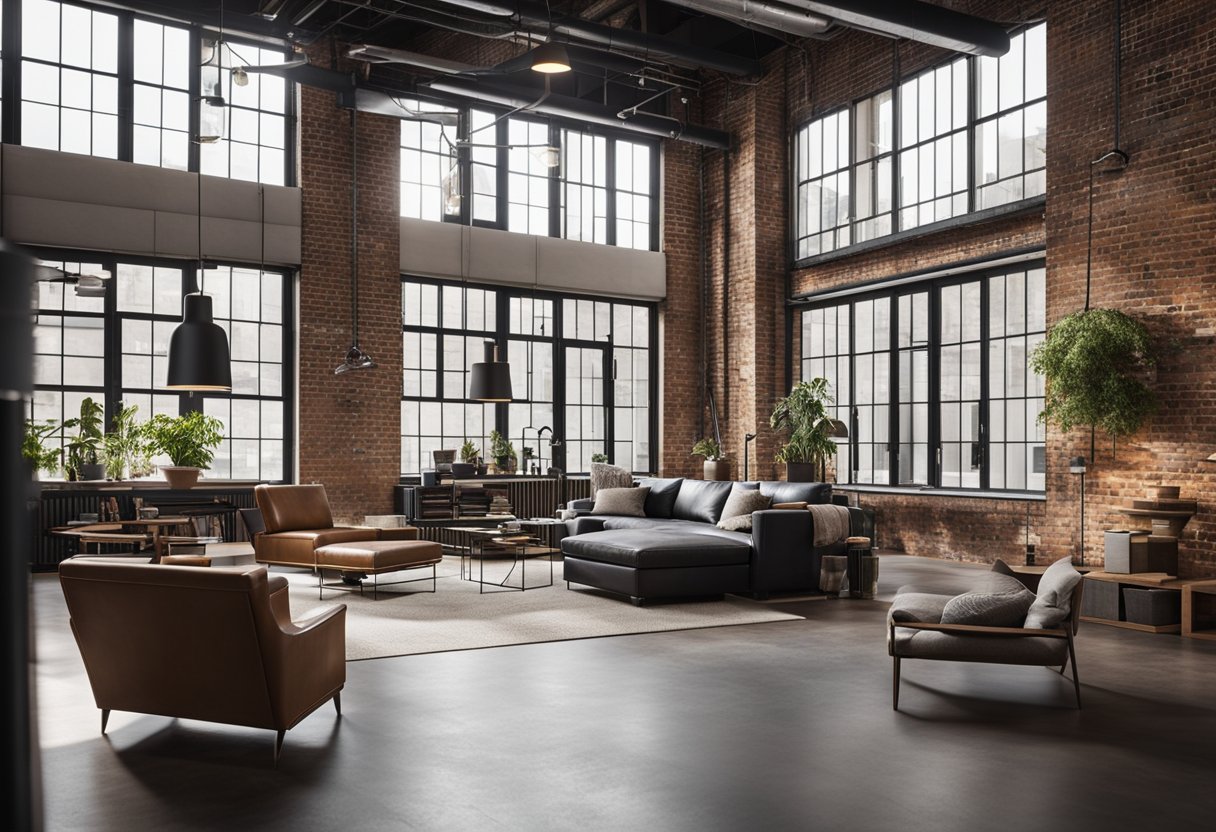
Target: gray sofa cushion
(701, 500)
(797, 492)
(646, 549)
(662, 496)
(628, 502)
(1001, 602)
(927, 644)
(922, 607)
(1053, 602)
(737, 512)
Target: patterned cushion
(737, 513)
(1002, 602)
(923, 607)
(604, 475)
(1053, 602)
(626, 502)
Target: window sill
(1025, 206)
(930, 491)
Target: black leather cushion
(646, 549)
(797, 492)
(701, 500)
(662, 496)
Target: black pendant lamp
(490, 380)
(198, 349)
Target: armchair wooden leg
(338, 702)
(895, 686)
(105, 718)
(278, 745)
(1076, 680)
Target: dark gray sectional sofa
(677, 550)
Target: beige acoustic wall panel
(487, 255)
(69, 200)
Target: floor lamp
(1076, 465)
(747, 438)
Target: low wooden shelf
(1194, 596)
(1148, 580)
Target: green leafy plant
(599, 457)
(1094, 363)
(804, 414)
(468, 451)
(125, 443)
(85, 447)
(33, 445)
(708, 448)
(188, 440)
(500, 448)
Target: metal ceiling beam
(915, 20)
(577, 109)
(535, 18)
(764, 16)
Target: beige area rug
(455, 617)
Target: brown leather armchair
(298, 521)
(212, 644)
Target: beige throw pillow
(623, 502)
(737, 513)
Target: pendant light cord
(354, 226)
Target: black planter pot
(802, 472)
(93, 471)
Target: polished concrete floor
(779, 726)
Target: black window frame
(112, 384)
(502, 335)
(10, 95)
(894, 290)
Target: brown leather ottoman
(374, 557)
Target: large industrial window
(582, 367)
(114, 349)
(107, 82)
(966, 136)
(933, 380)
(529, 176)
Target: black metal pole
(22, 787)
(1081, 556)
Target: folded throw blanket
(829, 523)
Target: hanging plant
(1095, 363)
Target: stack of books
(472, 501)
(500, 503)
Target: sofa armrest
(783, 559)
(582, 505)
(585, 524)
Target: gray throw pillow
(623, 502)
(1002, 602)
(922, 607)
(1001, 568)
(604, 475)
(737, 513)
(1053, 603)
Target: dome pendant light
(550, 58)
(356, 358)
(198, 349)
(490, 380)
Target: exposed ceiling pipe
(765, 16)
(590, 58)
(387, 55)
(649, 124)
(915, 20)
(535, 18)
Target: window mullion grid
(935, 386)
(985, 391)
(972, 119)
(611, 191)
(126, 87)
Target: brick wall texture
(724, 322)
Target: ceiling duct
(765, 16)
(387, 55)
(535, 18)
(914, 20)
(577, 109)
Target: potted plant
(1095, 364)
(33, 446)
(804, 414)
(467, 467)
(188, 440)
(124, 444)
(715, 465)
(84, 449)
(502, 451)
(599, 457)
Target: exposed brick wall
(1154, 256)
(349, 425)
